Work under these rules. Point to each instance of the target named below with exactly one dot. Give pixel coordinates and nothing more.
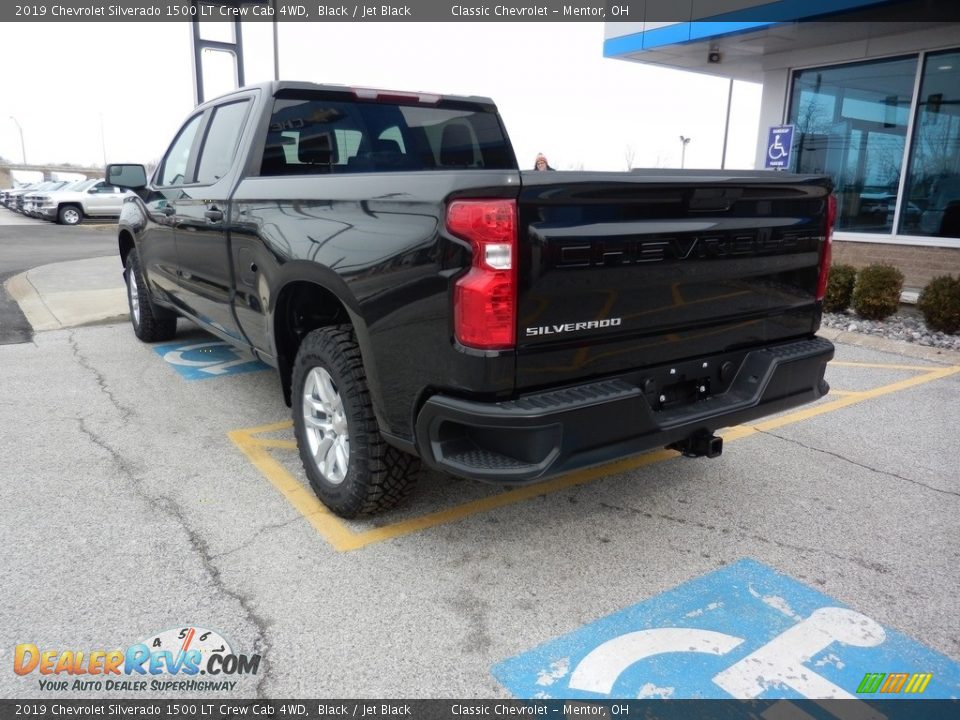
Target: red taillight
(827, 246)
(485, 299)
(392, 95)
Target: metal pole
(684, 141)
(726, 128)
(195, 61)
(238, 53)
(23, 147)
(276, 45)
(103, 143)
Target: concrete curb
(59, 309)
(895, 347)
(31, 304)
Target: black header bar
(629, 11)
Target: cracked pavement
(128, 511)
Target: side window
(174, 169)
(221, 141)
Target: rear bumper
(546, 434)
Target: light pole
(103, 143)
(684, 141)
(23, 147)
(726, 127)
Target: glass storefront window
(850, 122)
(933, 180)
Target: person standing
(541, 163)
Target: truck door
(157, 247)
(201, 222)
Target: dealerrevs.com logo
(182, 653)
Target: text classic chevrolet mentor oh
(424, 299)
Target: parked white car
(69, 208)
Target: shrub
(876, 294)
(940, 304)
(839, 288)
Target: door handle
(213, 215)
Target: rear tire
(69, 215)
(350, 467)
(147, 323)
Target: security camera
(713, 57)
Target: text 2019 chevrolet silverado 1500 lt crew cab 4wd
(424, 299)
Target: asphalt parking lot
(152, 492)
(150, 489)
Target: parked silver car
(33, 199)
(70, 207)
(14, 200)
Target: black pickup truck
(424, 299)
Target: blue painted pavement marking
(208, 359)
(743, 631)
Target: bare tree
(629, 154)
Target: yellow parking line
(343, 538)
(297, 494)
(882, 366)
(815, 410)
(278, 444)
(272, 427)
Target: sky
(119, 91)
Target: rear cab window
(327, 133)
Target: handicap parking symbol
(779, 143)
(744, 631)
(205, 360)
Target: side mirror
(92, 191)
(127, 176)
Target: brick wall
(918, 264)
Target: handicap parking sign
(779, 142)
(205, 360)
(744, 631)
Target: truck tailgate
(623, 270)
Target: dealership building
(873, 98)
